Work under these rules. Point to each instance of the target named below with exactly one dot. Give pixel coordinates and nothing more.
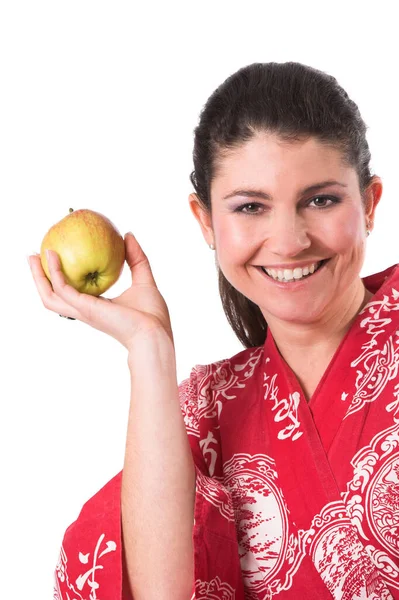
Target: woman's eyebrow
(259, 194)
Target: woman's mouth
(293, 277)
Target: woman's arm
(158, 482)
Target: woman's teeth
(292, 274)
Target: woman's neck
(300, 343)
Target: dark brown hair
(294, 101)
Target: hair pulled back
(294, 101)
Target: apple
(90, 248)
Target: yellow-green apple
(90, 248)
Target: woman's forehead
(271, 162)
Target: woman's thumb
(138, 262)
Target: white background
(98, 105)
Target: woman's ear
(373, 196)
(203, 217)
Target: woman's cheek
(343, 233)
(235, 235)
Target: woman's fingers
(48, 297)
(86, 305)
(54, 294)
(138, 262)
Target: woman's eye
(246, 206)
(324, 199)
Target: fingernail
(28, 256)
(47, 255)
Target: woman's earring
(211, 246)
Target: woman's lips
(295, 282)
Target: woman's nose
(288, 236)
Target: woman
(287, 454)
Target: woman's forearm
(158, 483)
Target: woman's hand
(140, 309)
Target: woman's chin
(294, 313)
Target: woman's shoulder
(235, 365)
(209, 386)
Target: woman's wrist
(151, 347)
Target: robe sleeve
(91, 563)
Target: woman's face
(285, 225)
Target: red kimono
(293, 499)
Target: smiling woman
(288, 228)
(289, 485)
(278, 134)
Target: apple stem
(71, 210)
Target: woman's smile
(293, 278)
